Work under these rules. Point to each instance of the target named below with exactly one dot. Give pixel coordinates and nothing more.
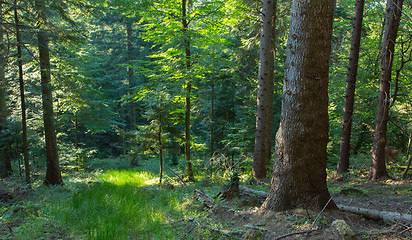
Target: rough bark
(350, 87)
(5, 164)
(22, 98)
(185, 28)
(299, 175)
(264, 116)
(53, 175)
(393, 15)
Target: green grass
(122, 204)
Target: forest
(205, 119)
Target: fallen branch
(378, 215)
(253, 193)
(296, 233)
(204, 198)
(177, 176)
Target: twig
(177, 175)
(323, 209)
(296, 233)
(311, 227)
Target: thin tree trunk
(299, 175)
(160, 148)
(53, 175)
(76, 131)
(393, 15)
(5, 164)
(132, 111)
(130, 70)
(185, 28)
(407, 157)
(22, 98)
(350, 88)
(264, 116)
(211, 122)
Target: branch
(379, 215)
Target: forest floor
(169, 210)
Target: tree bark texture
(299, 175)
(344, 153)
(22, 98)
(5, 164)
(53, 175)
(264, 116)
(185, 28)
(393, 16)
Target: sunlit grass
(122, 205)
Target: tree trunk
(53, 175)
(132, 110)
(212, 122)
(5, 164)
(299, 175)
(393, 15)
(22, 98)
(264, 116)
(185, 28)
(130, 71)
(160, 148)
(350, 88)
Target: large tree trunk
(5, 164)
(185, 28)
(393, 16)
(53, 175)
(350, 88)
(264, 116)
(299, 175)
(22, 98)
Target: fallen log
(262, 195)
(378, 215)
(202, 197)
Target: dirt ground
(248, 222)
(240, 219)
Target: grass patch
(123, 204)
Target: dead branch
(204, 198)
(378, 215)
(177, 176)
(296, 233)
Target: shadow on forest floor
(130, 204)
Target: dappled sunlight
(129, 177)
(122, 204)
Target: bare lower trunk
(264, 117)
(393, 15)
(22, 98)
(350, 88)
(299, 175)
(5, 165)
(160, 149)
(211, 122)
(185, 28)
(53, 175)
